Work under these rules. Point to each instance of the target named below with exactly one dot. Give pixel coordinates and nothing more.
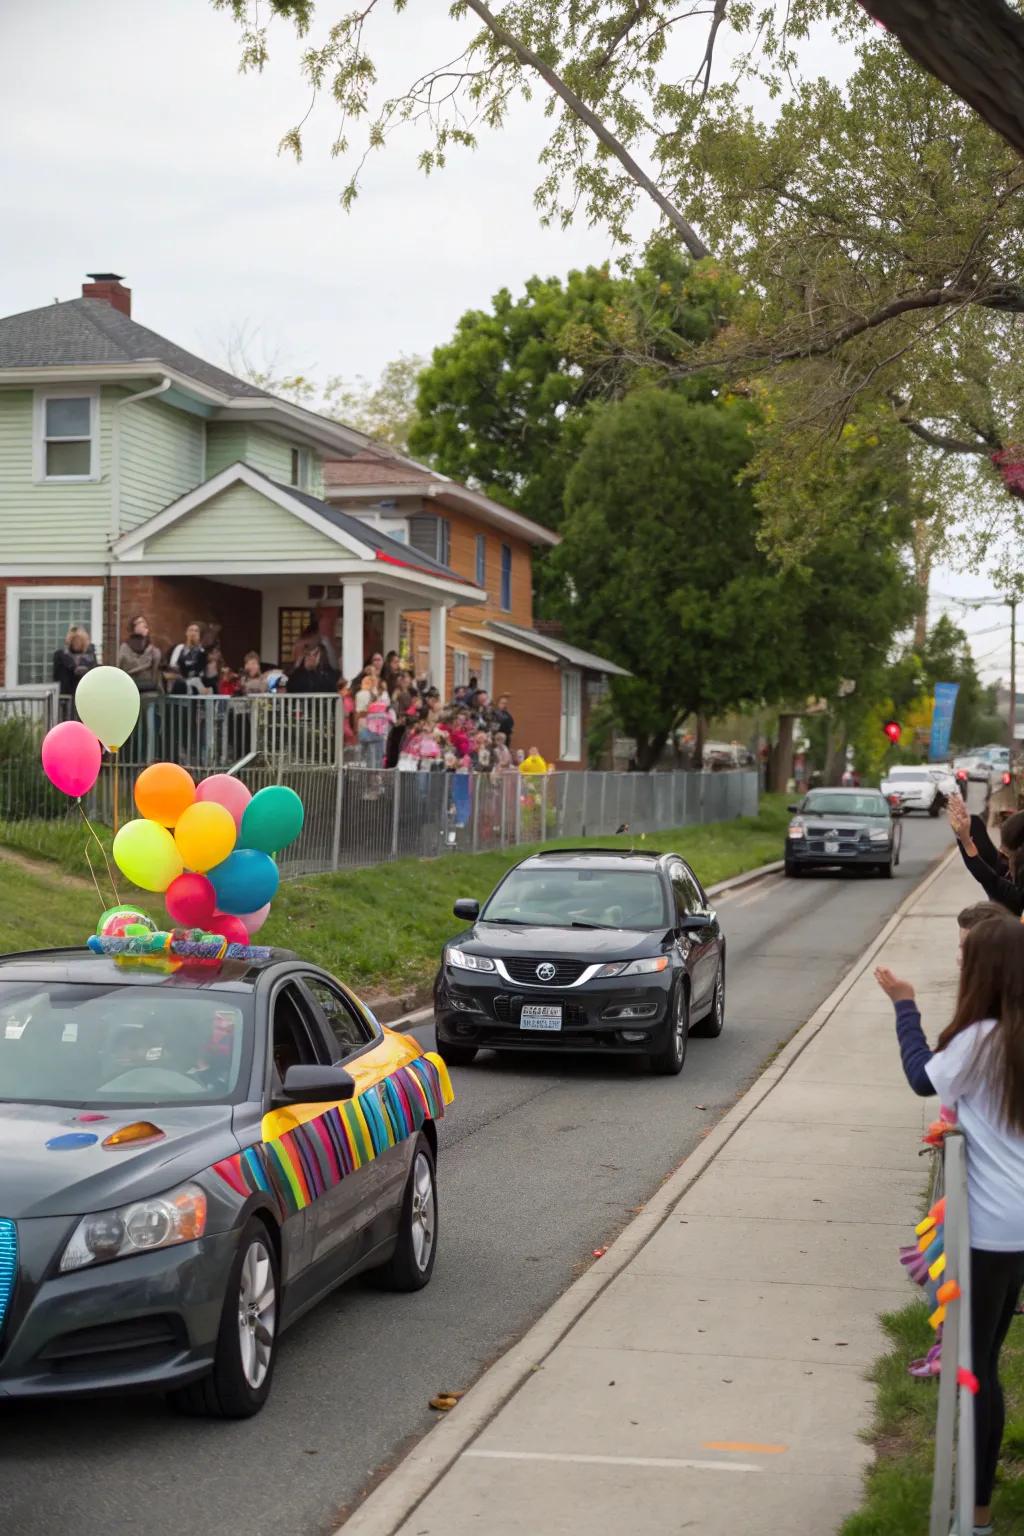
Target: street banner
(942, 719)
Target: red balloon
(229, 927)
(191, 900)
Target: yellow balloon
(145, 854)
(205, 835)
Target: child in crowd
(978, 1070)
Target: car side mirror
(792, 809)
(467, 909)
(698, 922)
(316, 1085)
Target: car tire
(456, 1055)
(791, 871)
(711, 1027)
(243, 1366)
(886, 870)
(412, 1263)
(936, 806)
(668, 1062)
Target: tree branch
(940, 440)
(530, 60)
(704, 67)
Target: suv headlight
(633, 967)
(177, 1217)
(796, 829)
(463, 962)
(879, 835)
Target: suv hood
(40, 1181)
(587, 944)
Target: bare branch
(940, 439)
(526, 56)
(704, 67)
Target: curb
(749, 877)
(392, 1502)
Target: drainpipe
(115, 481)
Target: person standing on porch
(140, 657)
(74, 660)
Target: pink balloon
(223, 789)
(254, 920)
(231, 928)
(191, 900)
(71, 758)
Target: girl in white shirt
(978, 1068)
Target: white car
(978, 768)
(917, 787)
(944, 777)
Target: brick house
(137, 478)
(551, 684)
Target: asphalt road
(541, 1162)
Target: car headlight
(634, 967)
(177, 1217)
(463, 962)
(879, 836)
(796, 829)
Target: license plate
(540, 1016)
(831, 847)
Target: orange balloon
(164, 792)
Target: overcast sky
(132, 144)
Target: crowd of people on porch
(392, 717)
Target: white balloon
(107, 701)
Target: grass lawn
(378, 928)
(899, 1485)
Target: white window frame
(460, 669)
(39, 439)
(16, 596)
(486, 673)
(571, 723)
(305, 468)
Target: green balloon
(272, 819)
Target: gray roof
(559, 648)
(394, 549)
(92, 331)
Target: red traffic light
(893, 730)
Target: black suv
(589, 949)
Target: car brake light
(1006, 778)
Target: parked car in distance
(917, 787)
(586, 949)
(977, 768)
(190, 1162)
(839, 827)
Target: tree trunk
(922, 576)
(835, 751)
(701, 737)
(782, 755)
(976, 47)
(648, 751)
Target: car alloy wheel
(711, 1027)
(424, 1211)
(257, 1313)
(668, 1062)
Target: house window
(506, 576)
(460, 675)
(572, 721)
(290, 624)
(481, 560)
(66, 437)
(300, 468)
(487, 672)
(38, 619)
(431, 536)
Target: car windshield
(911, 775)
(558, 898)
(845, 805)
(98, 1046)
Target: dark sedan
(190, 1162)
(585, 950)
(841, 827)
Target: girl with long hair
(978, 1069)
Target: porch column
(352, 657)
(438, 629)
(392, 624)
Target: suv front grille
(525, 972)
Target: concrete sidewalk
(708, 1375)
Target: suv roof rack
(621, 853)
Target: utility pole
(1013, 677)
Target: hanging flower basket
(1010, 464)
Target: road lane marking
(671, 1463)
(751, 1447)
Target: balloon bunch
(207, 847)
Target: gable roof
(93, 331)
(358, 528)
(556, 647)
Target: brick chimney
(108, 287)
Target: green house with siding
(137, 478)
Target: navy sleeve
(986, 847)
(914, 1050)
(997, 887)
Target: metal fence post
(475, 792)
(601, 829)
(396, 799)
(504, 782)
(339, 792)
(544, 808)
(519, 809)
(954, 1429)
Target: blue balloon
(245, 881)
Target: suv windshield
(558, 898)
(95, 1046)
(845, 805)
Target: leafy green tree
(662, 568)
(507, 403)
